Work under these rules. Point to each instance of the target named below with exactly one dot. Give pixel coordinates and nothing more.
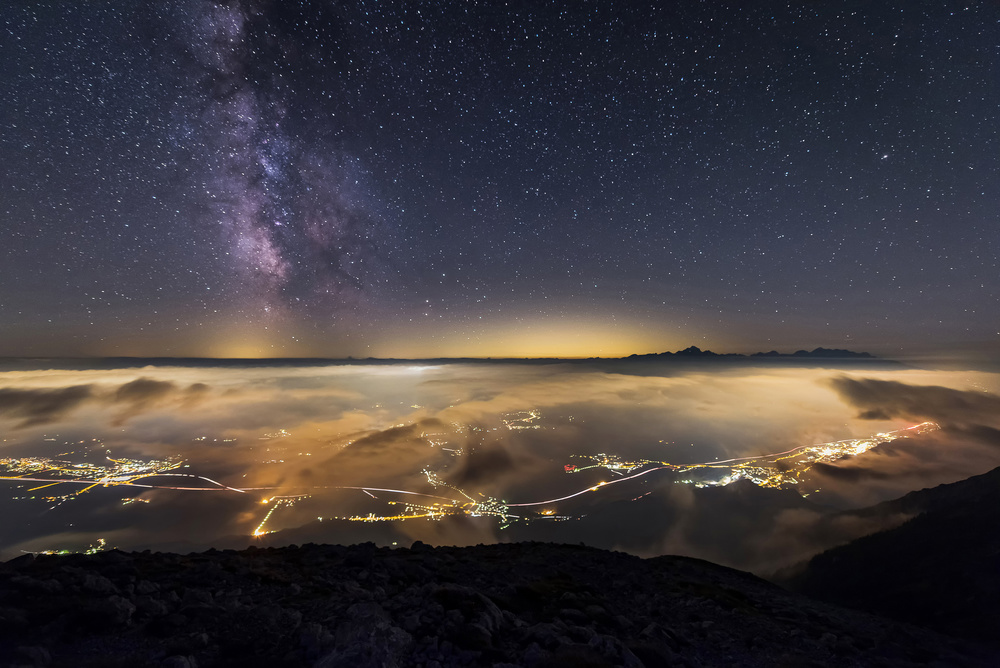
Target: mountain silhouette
(940, 569)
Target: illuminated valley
(88, 466)
(640, 457)
(777, 470)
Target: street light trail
(591, 489)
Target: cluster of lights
(764, 470)
(778, 470)
(93, 548)
(110, 472)
(279, 501)
(522, 419)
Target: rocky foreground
(526, 604)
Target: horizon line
(686, 352)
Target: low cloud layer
(303, 440)
(29, 407)
(966, 445)
(889, 399)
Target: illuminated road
(762, 470)
(594, 488)
(129, 483)
(221, 487)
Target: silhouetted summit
(828, 352)
(816, 353)
(695, 351)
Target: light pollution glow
(568, 337)
(307, 436)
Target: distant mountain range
(690, 354)
(821, 353)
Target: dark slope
(720, 524)
(940, 569)
(526, 604)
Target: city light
(61, 478)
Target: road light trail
(220, 488)
(190, 475)
(592, 489)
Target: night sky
(490, 179)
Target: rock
(362, 646)
(146, 587)
(651, 654)
(656, 633)
(572, 615)
(535, 656)
(580, 633)
(30, 584)
(548, 636)
(167, 625)
(572, 655)
(98, 584)
(476, 637)
(147, 606)
(35, 655)
(313, 638)
(623, 622)
(193, 595)
(12, 617)
(108, 613)
(630, 660)
(607, 645)
(489, 614)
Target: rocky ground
(524, 604)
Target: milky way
(430, 178)
(292, 209)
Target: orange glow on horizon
(568, 339)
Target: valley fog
(679, 459)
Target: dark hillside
(940, 569)
(523, 604)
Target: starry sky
(419, 179)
